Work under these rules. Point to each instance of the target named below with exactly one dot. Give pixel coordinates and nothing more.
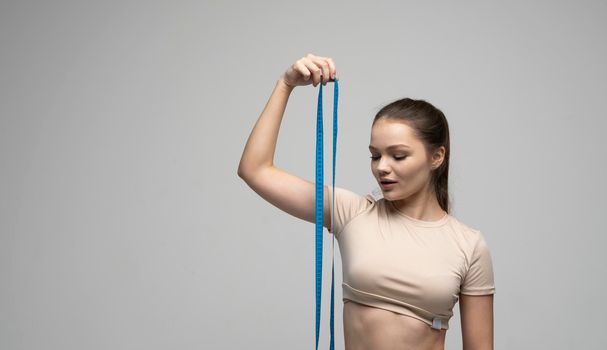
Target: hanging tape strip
(320, 208)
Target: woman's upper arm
(290, 193)
(476, 313)
(476, 298)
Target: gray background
(123, 222)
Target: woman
(406, 261)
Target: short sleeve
(479, 279)
(348, 205)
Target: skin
(365, 327)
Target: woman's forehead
(385, 134)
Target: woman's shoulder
(347, 193)
(466, 231)
(465, 227)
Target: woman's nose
(383, 166)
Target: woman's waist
(370, 327)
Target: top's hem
(370, 299)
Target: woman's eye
(395, 157)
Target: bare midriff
(371, 328)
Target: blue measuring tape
(320, 208)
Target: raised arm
(288, 192)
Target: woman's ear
(438, 157)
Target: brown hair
(431, 127)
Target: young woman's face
(397, 155)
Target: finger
(301, 68)
(322, 63)
(314, 70)
(330, 72)
(332, 68)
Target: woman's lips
(387, 185)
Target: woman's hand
(308, 70)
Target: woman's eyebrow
(391, 146)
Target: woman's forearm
(261, 144)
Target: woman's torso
(402, 276)
(371, 328)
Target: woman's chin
(388, 194)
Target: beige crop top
(408, 266)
